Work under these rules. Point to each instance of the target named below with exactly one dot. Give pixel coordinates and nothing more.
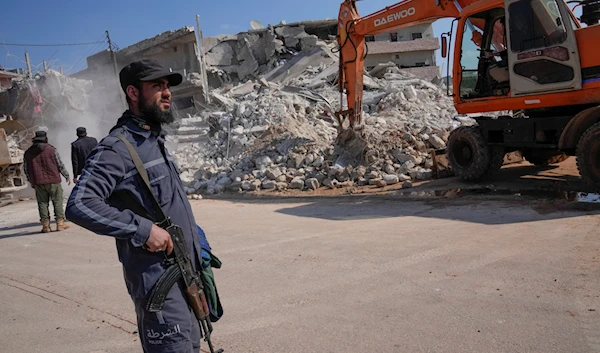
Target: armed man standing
(43, 168)
(80, 150)
(110, 187)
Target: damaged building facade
(6, 78)
(411, 49)
(175, 50)
(228, 58)
(248, 55)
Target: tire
(497, 159)
(588, 156)
(469, 155)
(545, 159)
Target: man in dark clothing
(80, 150)
(43, 168)
(99, 203)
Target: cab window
(469, 58)
(535, 24)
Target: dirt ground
(507, 270)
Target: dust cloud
(70, 103)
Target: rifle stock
(197, 301)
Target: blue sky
(129, 21)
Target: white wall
(405, 34)
(405, 59)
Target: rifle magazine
(159, 292)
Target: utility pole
(29, 73)
(113, 58)
(45, 66)
(201, 60)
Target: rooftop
(159, 39)
(380, 47)
(9, 74)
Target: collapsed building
(281, 134)
(266, 120)
(270, 124)
(47, 101)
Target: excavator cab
(543, 48)
(484, 57)
(527, 47)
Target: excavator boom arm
(405, 14)
(351, 38)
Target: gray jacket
(98, 201)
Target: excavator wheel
(469, 155)
(545, 159)
(588, 156)
(496, 160)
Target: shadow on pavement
(466, 210)
(14, 232)
(20, 226)
(525, 176)
(15, 235)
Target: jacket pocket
(161, 184)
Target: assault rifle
(179, 265)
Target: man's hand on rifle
(159, 240)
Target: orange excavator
(532, 57)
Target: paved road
(330, 275)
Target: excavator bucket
(12, 177)
(441, 164)
(4, 152)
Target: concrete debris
(391, 179)
(235, 58)
(269, 185)
(48, 98)
(312, 183)
(275, 129)
(297, 183)
(437, 142)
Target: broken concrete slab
(242, 89)
(380, 70)
(289, 32)
(247, 62)
(222, 54)
(298, 65)
(308, 42)
(225, 101)
(369, 83)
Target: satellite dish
(256, 24)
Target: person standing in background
(43, 168)
(80, 150)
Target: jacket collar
(139, 125)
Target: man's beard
(153, 112)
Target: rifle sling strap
(137, 161)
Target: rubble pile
(250, 54)
(46, 99)
(276, 129)
(262, 135)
